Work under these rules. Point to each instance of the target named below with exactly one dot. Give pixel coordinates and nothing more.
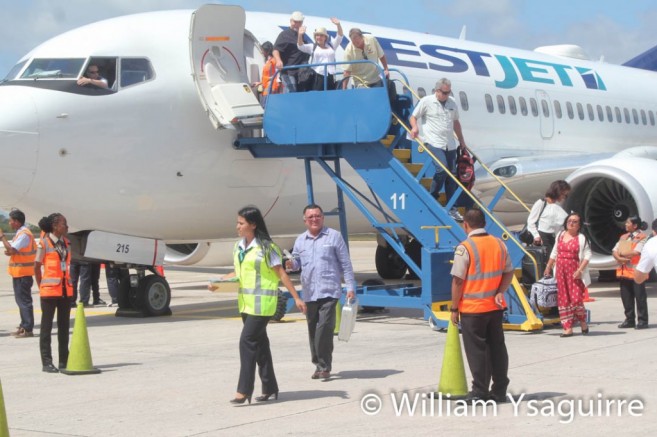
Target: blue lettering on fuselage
(508, 71)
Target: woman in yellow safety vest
(55, 288)
(258, 266)
(628, 252)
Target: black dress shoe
(626, 325)
(472, 396)
(500, 398)
(50, 368)
(641, 325)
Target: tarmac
(174, 376)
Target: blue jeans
(289, 83)
(449, 160)
(23, 296)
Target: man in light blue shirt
(323, 257)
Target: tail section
(646, 60)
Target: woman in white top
(322, 52)
(547, 216)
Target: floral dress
(570, 291)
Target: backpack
(465, 167)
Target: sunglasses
(445, 92)
(93, 72)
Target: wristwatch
(454, 310)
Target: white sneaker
(456, 215)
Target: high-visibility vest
(488, 257)
(627, 270)
(51, 280)
(268, 72)
(22, 263)
(258, 293)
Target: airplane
(145, 170)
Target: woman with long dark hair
(55, 287)
(258, 266)
(628, 253)
(571, 253)
(547, 216)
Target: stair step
(413, 168)
(404, 155)
(387, 141)
(426, 183)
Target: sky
(615, 30)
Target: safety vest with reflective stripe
(627, 270)
(22, 263)
(51, 280)
(258, 294)
(268, 72)
(488, 257)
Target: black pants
(63, 307)
(254, 349)
(630, 292)
(548, 242)
(483, 340)
(23, 296)
(320, 316)
(89, 277)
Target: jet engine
(606, 193)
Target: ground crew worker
(481, 273)
(628, 255)
(21, 252)
(55, 287)
(258, 266)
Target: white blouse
(322, 56)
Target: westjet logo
(506, 71)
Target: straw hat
(321, 31)
(297, 16)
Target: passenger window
(464, 100)
(523, 105)
(557, 109)
(589, 109)
(421, 92)
(500, 104)
(580, 111)
(135, 70)
(619, 117)
(644, 120)
(534, 105)
(635, 116)
(652, 118)
(627, 115)
(610, 115)
(546, 108)
(601, 114)
(571, 113)
(513, 109)
(489, 103)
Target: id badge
(63, 263)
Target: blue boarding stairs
(354, 121)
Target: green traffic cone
(79, 356)
(452, 374)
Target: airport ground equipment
(332, 126)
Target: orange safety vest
(626, 271)
(22, 263)
(51, 280)
(488, 257)
(268, 72)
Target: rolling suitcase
(528, 274)
(348, 320)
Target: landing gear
(389, 265)
(142, 295)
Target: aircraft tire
(281, 307)
(389, 265)
(155, 295)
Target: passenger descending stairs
(349, 125)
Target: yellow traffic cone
(79, 356)
(4, 426)
(452, 375)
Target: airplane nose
(19, 144)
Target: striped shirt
(324, 261)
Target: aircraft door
(545, 114)
(218, 64)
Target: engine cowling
(606, 193)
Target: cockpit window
(14, 71)
(135, 70)
(53, 69)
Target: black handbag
(306, 79)
(525, 236)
